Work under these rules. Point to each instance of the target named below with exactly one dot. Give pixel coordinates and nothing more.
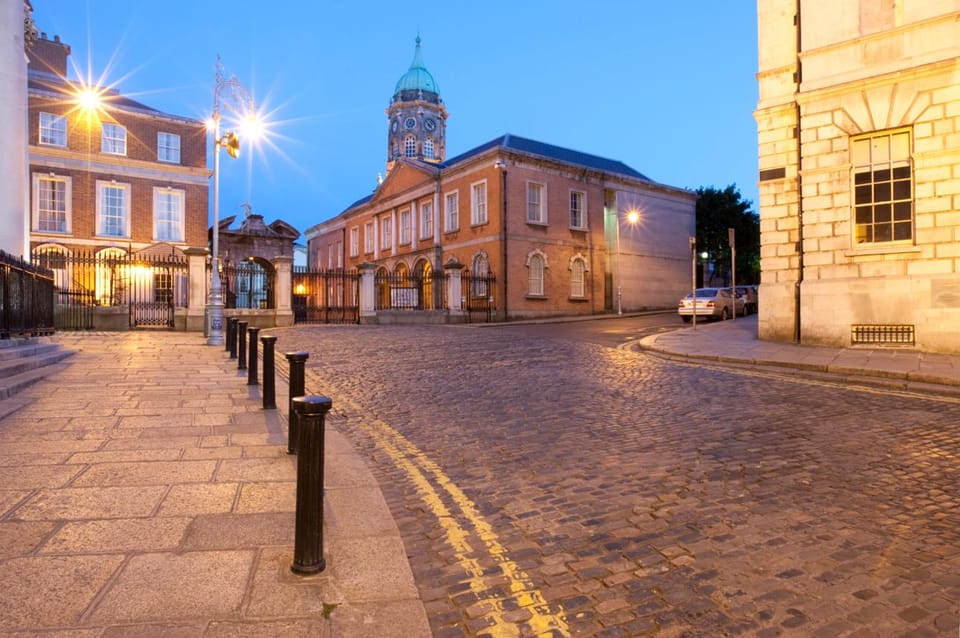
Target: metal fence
(26, 298)
(148, 287)
(478, 299)
(249, 285)
(410, 291)
(325, 296)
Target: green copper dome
(417, 78)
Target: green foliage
(718, 210)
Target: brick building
(549, 223)
(110, 179)
(859, 146)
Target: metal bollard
(308, 530)
(297, 362)
(232, 337)
(252, 365)
(269, 373)
(228, 333)
(242, 345)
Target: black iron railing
(26, 296)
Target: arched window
(410, 146)
(480, 274)
(111, 276)
(424, 272)
(578, 269)
(428, 148)
(536, 265)
(56, 258)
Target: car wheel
(724, 314)
(685, 319)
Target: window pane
(900, 146)
(862, 178)
(862, 195)
(880, 150)
(883, 232)
(901, 189)
(864, 214)
(882, 213)
(902, 211)
(901, 231)
(861, 153)
(881, 192)
(881, 175)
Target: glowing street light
(632, 217)
(238, 99)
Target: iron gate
(325, 296)
(478, 297)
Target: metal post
(308, 530)
(693, 277)
(269, 373)
(252, 361)
(242, 345)
(232, 336)
(297, 362)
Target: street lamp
(633, 217)
(236, 98)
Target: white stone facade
(859, 153)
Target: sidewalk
(144, 492)
(736, 342)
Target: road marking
(432, 483)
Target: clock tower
(416, 118)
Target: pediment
(402, 177)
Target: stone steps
(24, 362)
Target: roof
(417, 78)
(549, 151)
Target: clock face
(430, 125)
(410, 122)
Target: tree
(717, 211)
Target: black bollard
(297, 362)
(252, 365)
(229, 333)
(308, 530)
(269, 373)
(232, 337)
(241, 345)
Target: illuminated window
(51, 203)
(478, 203)
(451, 213)
(428, 148)
(168, 218)
(536, 210)
(404, 227)
(536, 264)
(410, 146)
(578, 269)
(426, 220)
(53, 129)
(168, 148)
(577, 199)
(113, 139)
(113, 209)
(882, 187)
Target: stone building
(552, 225)
(859, 148)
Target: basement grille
(881, 334)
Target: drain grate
(899, 334)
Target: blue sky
(666, 87)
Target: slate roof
(549, 151)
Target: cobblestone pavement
(560, 488)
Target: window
(426, 220)
(428, 148)
(113, 209)
(404, 227)
(883, 192)
(368, 237)
(51, 203)
(578, 268)
(168, 214)
(576, 209)
(478, 203)
(339, 249)
(481, 276)
(410, 146)
(452, 213)
(168, 148)
(535, 265)
(53, 129)
(355, 241)
(386, 233)
(535, 205)
(113, 139)
(163, 287)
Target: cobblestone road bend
(548, 487)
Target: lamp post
(632, 218)
(236, 98)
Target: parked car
(749, 294)
(711, 303)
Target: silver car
(712, 303)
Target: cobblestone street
(561, 488)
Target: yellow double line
(434, 486)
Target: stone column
(283, 289)
(14, 162)
(197, 287)
(368, 292)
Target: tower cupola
(416, 117)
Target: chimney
(49, 55)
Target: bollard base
(306, 570)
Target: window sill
(577, 299)
(531, 222)
(537, 297)
(893, 249)
(478, 224)
(578, 229)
